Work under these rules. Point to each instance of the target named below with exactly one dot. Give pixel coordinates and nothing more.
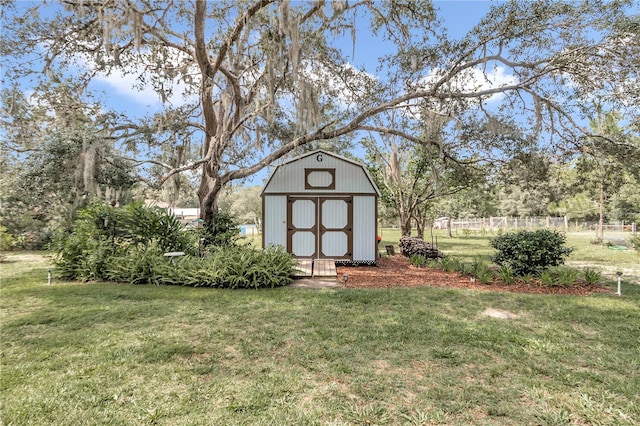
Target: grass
(476, 245)
(102, 353)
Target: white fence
(515, 223)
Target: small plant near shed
(530, 252)
(592, 276)
(480, 269)
(506, 275)
(559, 276)
(449, 263)
(418, 260)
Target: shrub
(418, 260)
(6, 239)
(592, 276)
(449, 263)
(530, 252)
(546, 278)
(238, 267)
(463, 268)
(223, 230)
(127, 245)
(142, 225)
(102, 232)
(634, 240)
(506, 275)
(480, 269)
(526, 278)
(559, 276)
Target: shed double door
(320, 227)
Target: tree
(244, 204)
(524, 188)
(56, 157)
(411, 174)
(606, 157)
(264, 77)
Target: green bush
(559, 276)
(634, 240)
(418, 260)
(592, 276)
(449, 263)
(481, 270)
(223, 231)
(102, 234)
(506, 275)
(128, 245)
(232, 267)
(6, 239)
(530, 252)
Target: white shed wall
(275, 220)
(364, 229)
(290, 178)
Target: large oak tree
(262, 78)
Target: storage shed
(321, 205)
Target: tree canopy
(247, 82)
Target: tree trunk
(210, 189)
(405, 225)
(420, 229)
(601, 220)
(449, 228)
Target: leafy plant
(485, 277)
(634, 240)
(480, 269)
(6, 239)
(526, 278)
(449, 263)
(506, 275)
(433, 263)
(592, 276)
(103, 234)
(463, 268)
(418, 260)
(223, 230)
(561, 276)
(530, 252)
(546, 278)
(565, 276)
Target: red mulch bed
(396, 271)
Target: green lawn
(124, 354)
(469, 247)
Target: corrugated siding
(290, 178)
(364, 228)
(275, 220)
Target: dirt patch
(396, 271)
(498, 313)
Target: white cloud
(128, 86)
(478, 80)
